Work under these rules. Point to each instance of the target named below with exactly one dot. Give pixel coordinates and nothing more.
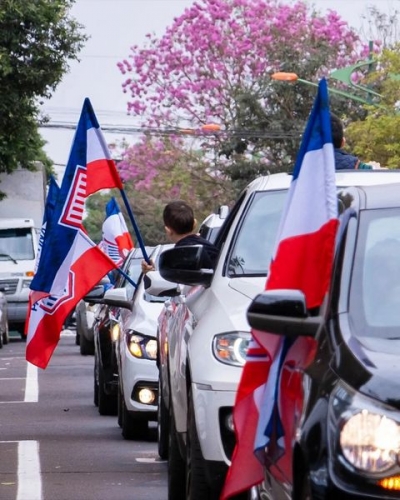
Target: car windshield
(254, 242)
(375, 282)
(17, 244)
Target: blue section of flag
(51, 199)
(318, 130)
(112, 208)
(61, 229)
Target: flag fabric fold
(116, 240)
(302, 260)
(70, 263)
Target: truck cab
(18, 250)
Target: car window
(256, 234)
(375, 283)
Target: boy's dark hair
(179, 216)
(337, 131)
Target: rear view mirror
(116, 297)
(283, 312)
(155, 284)
(187, 265)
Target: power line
(189, 133)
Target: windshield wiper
(9, 257)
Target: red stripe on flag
(102, 174)
(44, 340)
(304, 263)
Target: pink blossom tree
(214, 65)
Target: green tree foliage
(37, 39)
(377, 137)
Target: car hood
(249, 287)
(144, 317)
(371, 366)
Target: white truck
(21, 217)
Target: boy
(344, 160)
(180, 224)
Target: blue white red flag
(48, 212)
(116, 241)
(70, 263)
(302, 260)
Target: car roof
(344, 178)
(382, 196)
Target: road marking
(150, 460)
(29, 480)
(31, 385)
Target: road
(54, 445)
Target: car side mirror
(155, 284)
(283, 312)
(95, 294)
(116, 297)
(187, 265)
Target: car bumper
(17, 311)
(136, 374)
(213, 409)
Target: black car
(340, 382)
(104, 331)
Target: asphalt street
(54, 445)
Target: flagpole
(126, 276)
(135, 226)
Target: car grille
(10, 286)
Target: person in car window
(180, 224)
(344, 160)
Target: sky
(113, 27)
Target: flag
(117, 241)
(302, 260)
(70, 263)
(48, 212)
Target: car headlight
(367, 432)
(231, 347)
(141, 346)
(26, 284)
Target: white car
(204, 333)
(136, 352)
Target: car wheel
(86, 347)
(306, 492)
(96, 384)
(6, 335)
(132, 428)
(120, 399)
(162, 426)
(107, 402)
(197, 487)
(176, 465)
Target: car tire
(132, 428)
(86, 347)
(107, 403)
(120, 399)
(197, 487)
(95, 385)
(6, 335)
(77, 338)
(162, 426)
(176, 465)
(306, 492)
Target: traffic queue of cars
(204, 334)
(343, 426)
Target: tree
(377, 138)
(37, 39)
(214, 65)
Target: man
(344, 160)
(180, 224)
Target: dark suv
(341, 408)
